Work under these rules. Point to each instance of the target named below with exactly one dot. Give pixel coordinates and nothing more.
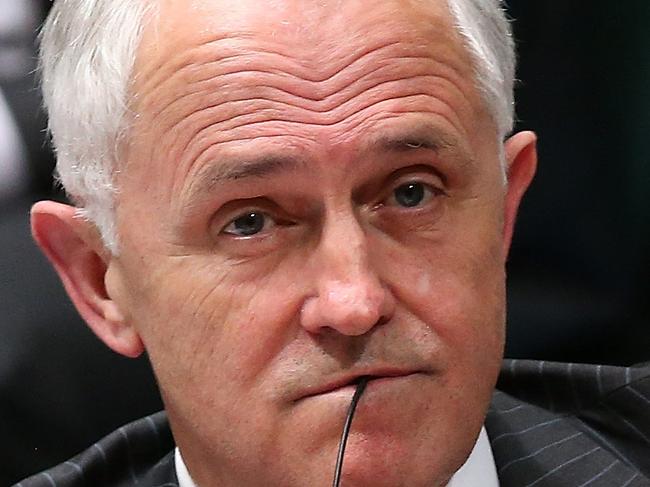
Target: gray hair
(88, 50)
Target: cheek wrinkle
(361, 386)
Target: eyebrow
(421, 137)
(424, 136)
(234, 169)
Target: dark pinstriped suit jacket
(550, 425)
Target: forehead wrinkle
(215, 44)
(207, 50)
(216, 120)
(271, 109)
(333, 96)
(217, 34)
(221, 127)
(206, 122)
(204, 139)
(305, 69)
(311, 93)
(254, 64)
(191, 67)
(211, 135)
(155, 63)
(249, 122)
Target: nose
(348, 296)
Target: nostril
(382, 320)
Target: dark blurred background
(578, 273)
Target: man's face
(313, 193)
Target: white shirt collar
(184, 479)
(479, 469)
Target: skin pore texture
(317, 117)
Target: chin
(395, 462)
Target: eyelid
(417, 170)
(421, 174)
(233, 209)
(427, 178)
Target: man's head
(305, 192)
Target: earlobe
(74, 248)
(521, 157)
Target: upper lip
(352, 377)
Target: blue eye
(411, 194)
(248, 224)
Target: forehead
(321, 21)
(218, 80)
(316, 45)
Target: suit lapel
(137, 454)
(534, 446)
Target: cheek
(203, 324)
(213, 337)
(456, 286)
(459, 295)
(464, 310)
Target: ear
(521, 157)
(73, 246)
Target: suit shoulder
(137, 453)
(609, 404)
(570, 387)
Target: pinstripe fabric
(570, 425)
(139, 454)
(550, 425)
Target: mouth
(350, 381)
